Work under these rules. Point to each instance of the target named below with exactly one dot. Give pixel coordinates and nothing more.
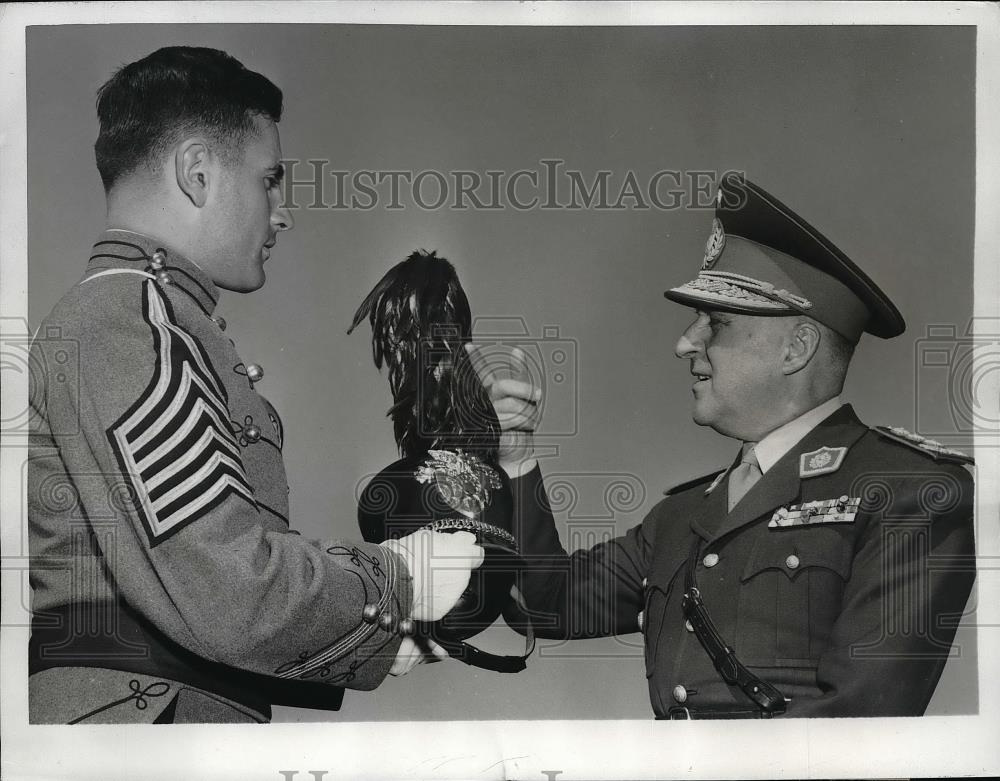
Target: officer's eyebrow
(717, 316)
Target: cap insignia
(821, 462)
(715, 244)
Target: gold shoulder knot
(925, 445)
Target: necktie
(744, 476)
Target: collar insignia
(715, 244)
(840, 510)
(821, 462)
(715, 482)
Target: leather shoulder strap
(733, 671)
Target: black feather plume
(421, 321)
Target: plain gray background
(867, 132)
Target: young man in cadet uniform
(167, 583)
(823, 572)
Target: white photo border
(795, 748)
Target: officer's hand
(414, 651)
(440, 565)
(516, 402)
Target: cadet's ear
(191, 167)
(802, 345)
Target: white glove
(411, 653)
(440, 565)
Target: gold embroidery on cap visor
(724, 286)
(756, 279)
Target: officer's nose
(281, 219)
(688, 345)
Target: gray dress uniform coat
(854, 616)
(167, 584)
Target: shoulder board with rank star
(822, 461)
(930, 447)
(717, 476)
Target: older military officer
(167, 583)
(823, 571)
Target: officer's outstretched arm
(590, 593)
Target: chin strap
(516, 612)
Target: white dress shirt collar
(772, 447)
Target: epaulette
(929, 447)
(692, 483)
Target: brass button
(645, 582)
(710, 560)
(641, 618)
(370, 614)
(219, 321)
(252, 433)
(688, 626)
(792, 561)
(254, 372)
(680, 694)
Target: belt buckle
(676, 711)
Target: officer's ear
(192, 159)
(802, 345)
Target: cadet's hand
(414, 651)
(515, 400)
(440, 565)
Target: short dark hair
(152, 103)
(841, 350)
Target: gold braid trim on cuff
(469, 525)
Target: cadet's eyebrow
(277, 171)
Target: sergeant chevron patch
(174, 443)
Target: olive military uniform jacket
(849, 609)
(167, 584)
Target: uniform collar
(772, 447)
(124, 249)
(782, 484)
